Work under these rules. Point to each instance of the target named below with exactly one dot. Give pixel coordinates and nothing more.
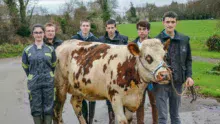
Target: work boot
(38, 120)
(91, 111)
(85, 110)
(111, 113)
(48, 119)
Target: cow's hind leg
(61, 91)
(76, 102)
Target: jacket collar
(137, 39)
(116, 35)
(54, 40)
(165, 36)
(84, 38)
(35, 46)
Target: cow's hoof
(130, 121)
(112, 121)
(123, 122)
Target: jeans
(167, 97)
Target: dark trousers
(167, 97)
(42, 101)
(88, 110)
(108, 103)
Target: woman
(38, 62)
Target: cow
(97, 71)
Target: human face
(110, 28)
(38, 34)
(50, 32)
(85, 27)
(169, 24)
(142, 32)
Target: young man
(143, 28)
(50, 38)
(112, 36)
(180, 60)
(85, 35)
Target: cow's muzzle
(163, 76)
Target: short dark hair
(37, 26)
(143, 23)
(170, 14)
(110, 21)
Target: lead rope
(192, 89)
(171, 78)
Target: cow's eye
(149, 59)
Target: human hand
(189, 82)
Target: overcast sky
(53, 5)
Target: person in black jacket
(50, 35)
(143, 29)
(180, 61)
(84, 34)
(112, 36)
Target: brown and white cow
(96, 71)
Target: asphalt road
(14, 104)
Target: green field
(209, 84)
(198, 31)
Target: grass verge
(209, 84)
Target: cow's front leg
(117, 106)
(128, 115)
(76, 102)
(153, 106)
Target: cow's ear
(166, 44)
(134, 49)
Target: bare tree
(6, 29)
(18, 11)
(13, 12)
(151, 9)
(70, 6)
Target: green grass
(198, 31)
(209, 84)
(11, 50)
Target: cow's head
(150, 61)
